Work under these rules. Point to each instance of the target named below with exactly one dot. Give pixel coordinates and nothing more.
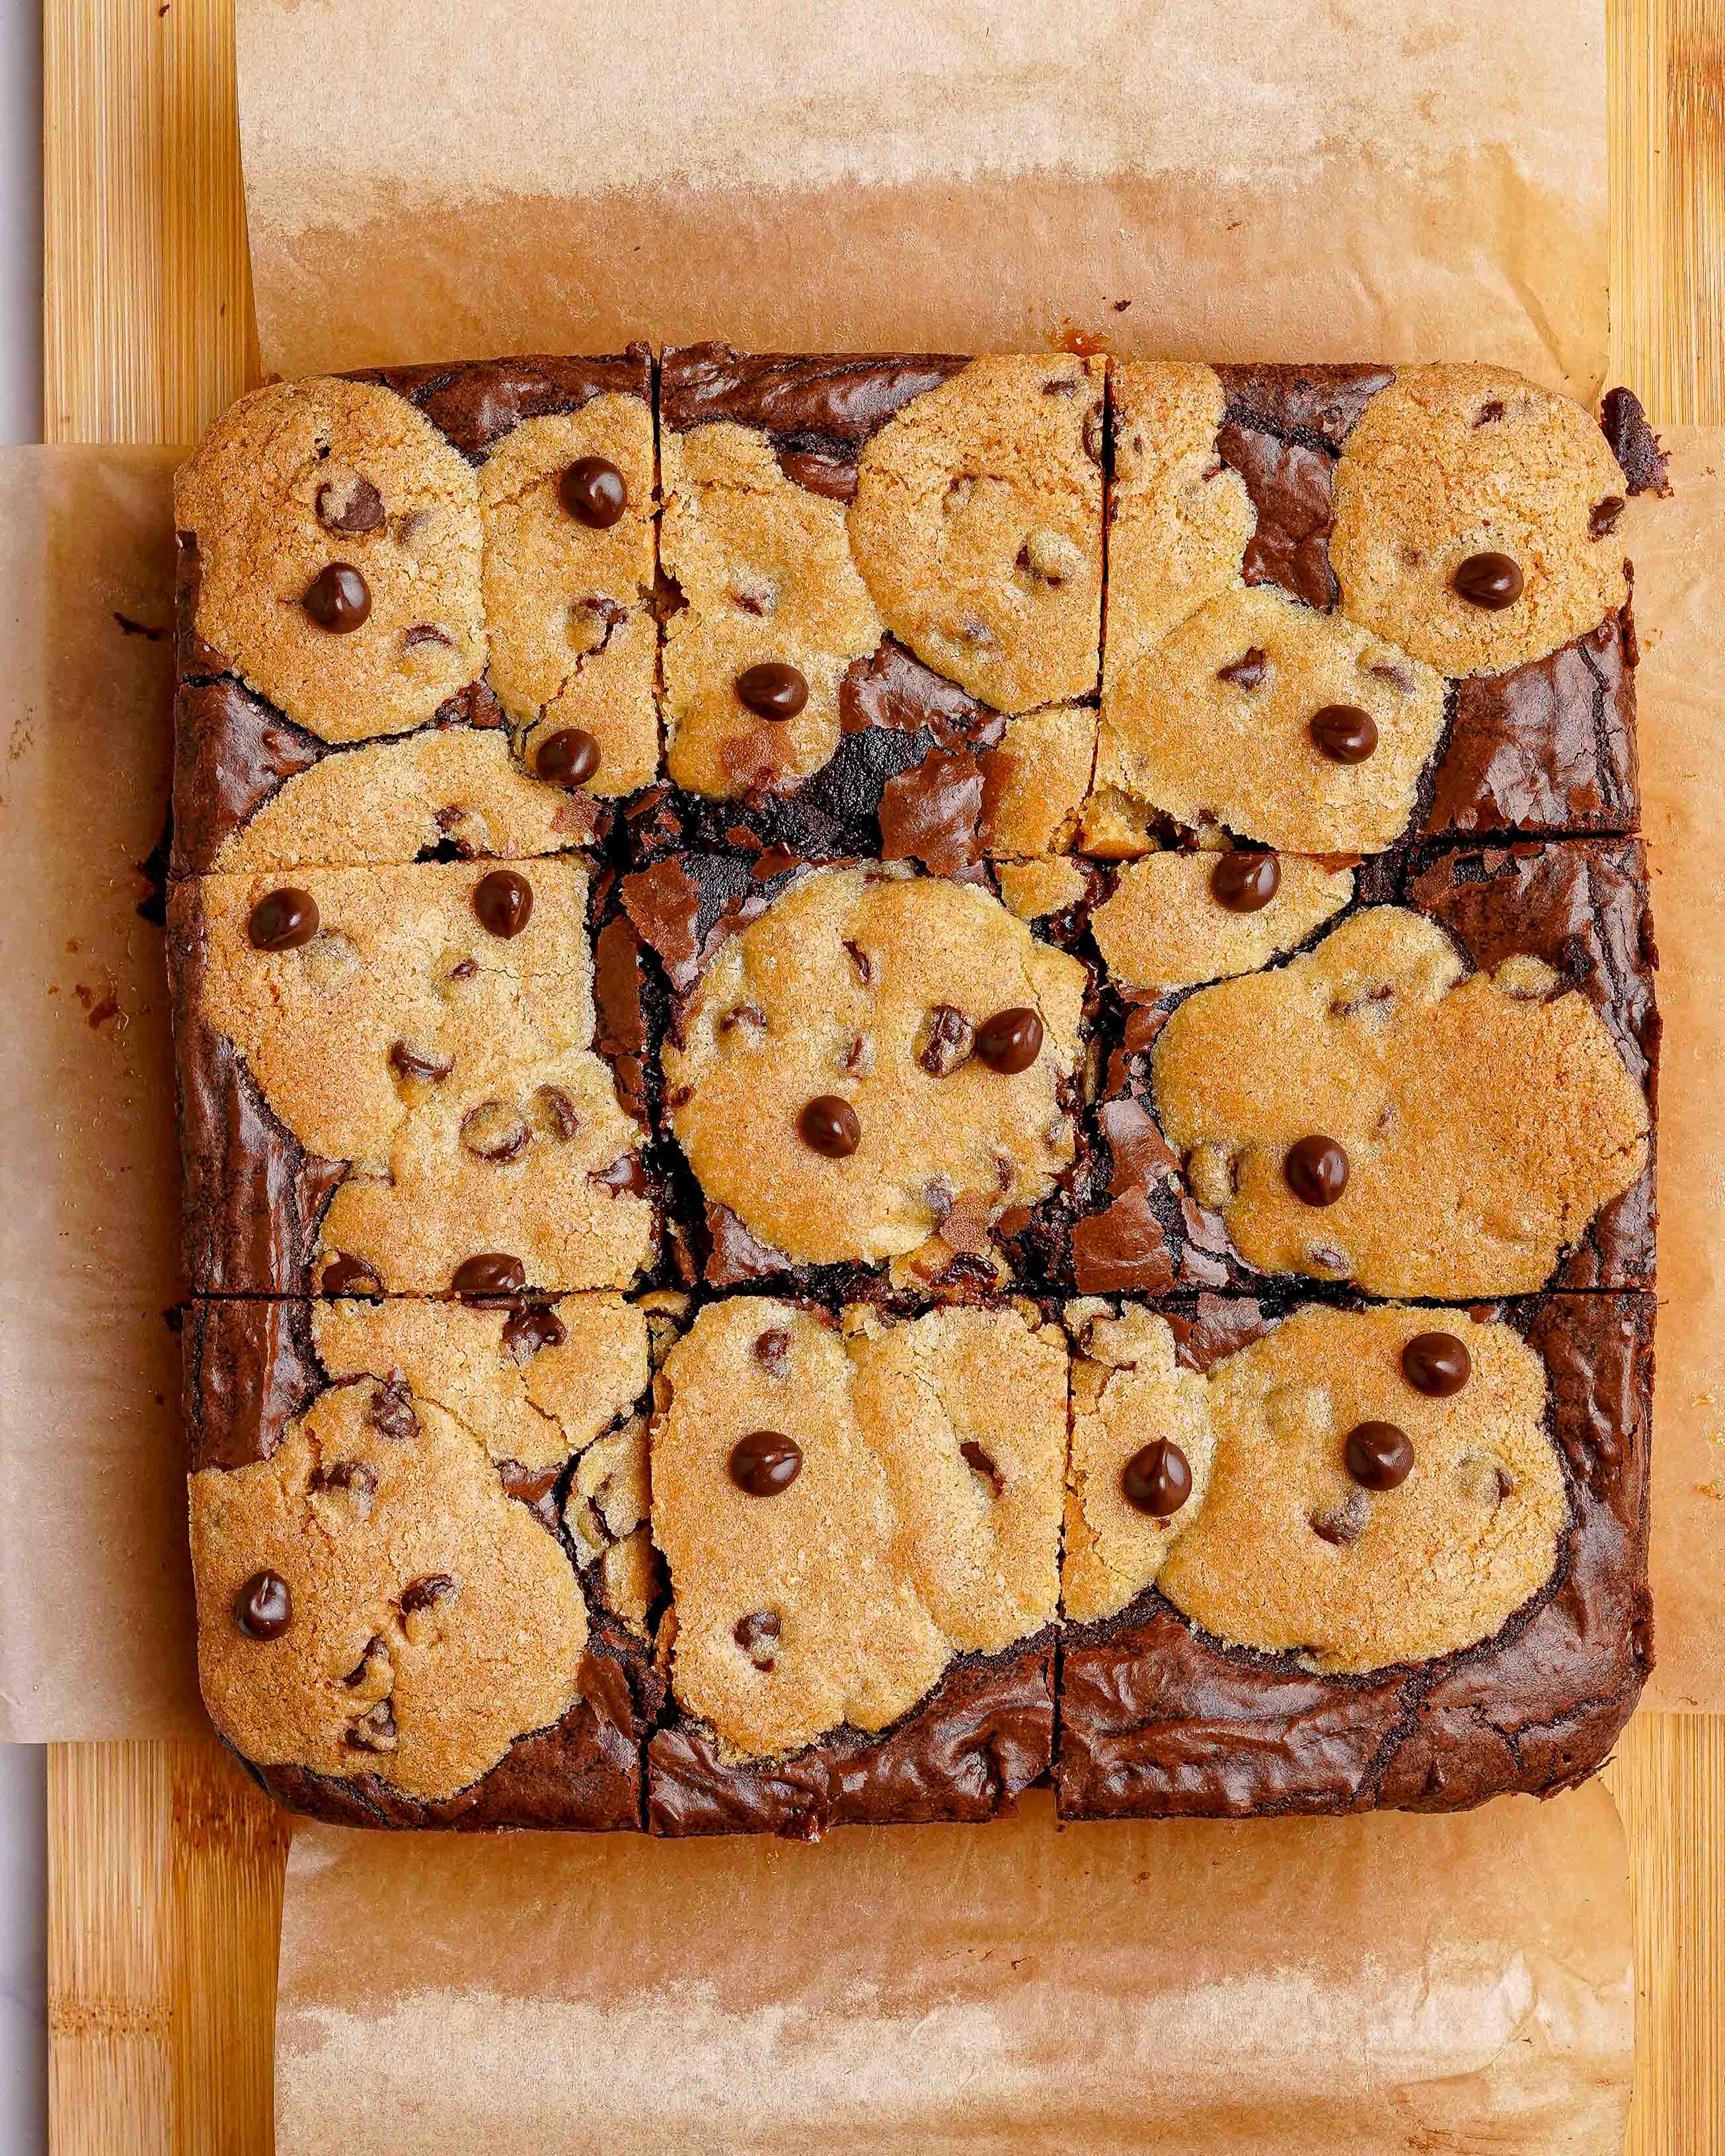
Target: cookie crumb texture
(402, 1089)
(837, 1016)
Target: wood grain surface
(165, 1865)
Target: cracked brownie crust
(748, 930)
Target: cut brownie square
(1344, 1558)
(861, 1521)
(1348, 607)
(1430, 1079)
(424, 1575)
(885, 567)
(864, 1068)
(388, 1080)
(416, 616)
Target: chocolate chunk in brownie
(1423, 1619)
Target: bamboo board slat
(165, 1866)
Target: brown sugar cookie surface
(977, 527)
(860, 998)
(840, 1596)
(1451, 464)
(1224, 723)
(420, 1620)
(569, 590)
(1280, 1548)
(302, 481)
(1483, 1120)
(449, 1065)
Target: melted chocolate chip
(349, 507)
(1316, 1170)
(489, 1272)
(283, 919)
(346, 1274)
(626, 1175)
(1245, 883)
(337, 598)
(1343, 1523)
(503, 903)
(373, 1731)
(424, 632)
(426, 1592)
(493, 1130)
(976, 1459)
(392, 1408)
(948, 1043)
(351, 1475)
(772, 1350)
(1491, 410)
(1491, 581)
(593, 491)
(861, 961)
(1437, 1364)
(830, 1125)
(1602, 518)
(263, 1609)
(772, 689)
(1011, 1041)
(1157, 1479)
(765, 1462)
(1343, 733)
(411, 1063)
(1378, 1456)
(758, 1635)
(528, 1330)
(554, 1113)
(567, 758)
(1247, 670)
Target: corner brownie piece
(1348, 606)
(1397, 1558)
(862, 1524)
(1437, 1081)
(888, 580)
(424, 1575)
(416, 616)
(387, 1081)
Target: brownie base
(1158, 1719)
(966, 1753)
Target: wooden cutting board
(164, 1864)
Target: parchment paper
(1319, 178)
(1288, 1988)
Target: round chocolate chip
(283, 919)
(1343, 733)
(346, 1274)
(1436, 1363)
(830, 1125)
(1245, 883)
(337, 598)
(765, 1462)
(1157, 1479)
(1491, 581)
(503, 903)
(263, 1609)
(1317, 1171)
(1011, 1041)
(567, 758)
(490, 1272)
(1379, 1454)
(593, 492)
(772, 691)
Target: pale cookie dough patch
(1127, 1392)
(841, 1599)
(977, 525)
(1180, 519)
(1197, 733)
(433, 1618)
(251, 492)
(391, 800)
(1035, 783)
(1033, 889)
(868, 987)
(1401, 1575)
(1453, 461)
(569, 609)
(1484, 1124)
(451, 1067)
(764, 566)
(1163, 928)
